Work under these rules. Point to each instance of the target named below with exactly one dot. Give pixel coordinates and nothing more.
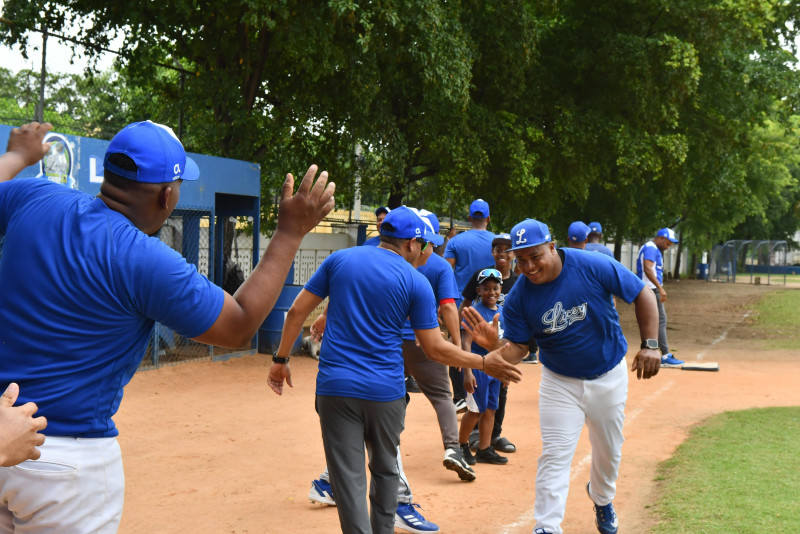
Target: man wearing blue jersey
(380, 215)
(564, 302)
(650, 268)
(360, 388)
(594, 238)
(471, 250)
(74, 337)
(576, 235)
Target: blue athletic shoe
(409, 519)
(605, 516)
(322, 492)
(668, 360)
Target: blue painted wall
(217, 175)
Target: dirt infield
(208, 448)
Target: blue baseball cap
(479, 206)
(435, 237)
(405, 223)
(382, 209)
(529, 233)
(578, 232)
(595, 228)
(155, 149)
(669, 233)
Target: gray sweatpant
(348, 425)
(662, 325)
(434, 382)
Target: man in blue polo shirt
(471, 250)
(594, 238)
(650, 268)
(81, 285)
(380, 215)
(564, 301)
(360, 387)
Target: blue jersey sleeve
(318, 283)
(617, 279)
(515, 327)
(422, 312)
(450, 250)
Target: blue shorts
(487, 394)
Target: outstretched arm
(24, 149)
(302, 306)
(19, 430)
(647, 362)
(298, 214)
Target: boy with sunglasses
(483, 389)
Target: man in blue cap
(594, 238)
(650, 268)
(380, 215)
(576, 235)
(360, 393)
(73, 339)
(564, 302)
(471, 250)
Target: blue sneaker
(322, 492)
(668, 360)
(409, 519)
(605, 516)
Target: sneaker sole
(671, 365)
(464, 474)
(322, 500)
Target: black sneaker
(454, 461)
(411, 385)
(467, 454)
(530, 358)
(490, 456)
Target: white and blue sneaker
(605, 516)
(322, 492)
(668, 360)
(409, 519)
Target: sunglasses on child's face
(422, 243)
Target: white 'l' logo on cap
(521, 239)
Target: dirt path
(208, 448)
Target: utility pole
(42, 76)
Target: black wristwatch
(646, 344)
(278, 359)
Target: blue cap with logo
(595, 228)
(529, 233)
(435, 237)
(479, 208)
(578, 232)
(502, 238)
(382, 209)
(155, 149)
(669, 233)
(403, 223)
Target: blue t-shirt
(602, 249)
(372, 241)
(488, 315)
(372, 290)
(80, 289)
(650, 252)
(443, 282)
(471, 250)
(573, 318)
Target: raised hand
(298, 214)
(484, 334)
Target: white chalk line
(723, 335)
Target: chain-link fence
(750, 260)
(189, 233)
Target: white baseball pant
(565, 404)
(77, 486)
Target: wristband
(279, 359)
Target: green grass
(738, 472)
(777, 316)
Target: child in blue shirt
(483, 389)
